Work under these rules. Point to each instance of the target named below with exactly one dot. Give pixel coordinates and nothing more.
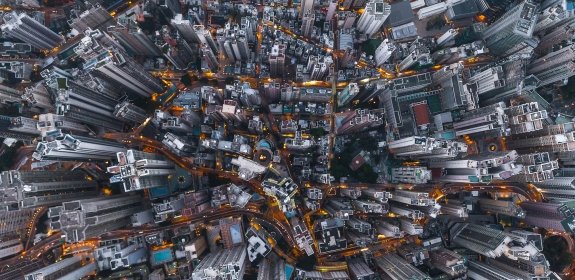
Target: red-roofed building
(421, 113)
(357, 161)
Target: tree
(229, 80)
(555, 249)
(186, 80)
(368, 143)
(317, 132)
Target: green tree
(186, 80)
(555, 249)
(317, 132)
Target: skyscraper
(94, 18)
(512, 29)
(397, 268)
(83, 219)
(483, 271)
(178, 52)
(552, 138)
(489, 119)
(306, 7)
(140, 170)
(209, 58)
(426, 147)
(82, 104)
(384, 51)
(14, 223)
(347, 94)
(225, 264)
(28, 30)
(30, 189)
(373, 17)
(59, 146)
(307, 23)
(111, 64)
(49, 122)
(550, 17)
(133, 39)
(480, 239)
(557, 216)
(277, 60)
(38, 97)
(410, 175)
(554, 67)
(526, 117)
(69, 268)
(537, 167)
(454, 95)
(233, 41)
(331, 9)
(194, 33)
(9, 95)
(360, 120)
(504, 207)
(477, 168)
(130, 112)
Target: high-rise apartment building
(549, 17)
(556, 66)
(504, 207)
(140, 170)
(347, 94)
(225, 264)
(30, 189)
(483, 271)
(10, 247)
(110, 63)
(130, 112)
(526, 117)
(477, 168)
(454, 208)
(133, 39)
(448, 261)
(94, 18)
(426, 147)
(9, 95)
(555, 37)
(331, 9)
(50, 122)
(80, 103)
(59, 146)
(307, 23)
(489, 119)
(272, 269)
(537, 167)
(513, 28)
(306, 7)
(412, 198)
(552, 139)
(384, 52)
(373, 17)
(28, 30)
(480, 239)
(360, 120)
(397, 268)
(410, 175)
(14, 223)
(83, 219)
(557, 216)
(69, 268)
(277, 60)
(120, 255)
